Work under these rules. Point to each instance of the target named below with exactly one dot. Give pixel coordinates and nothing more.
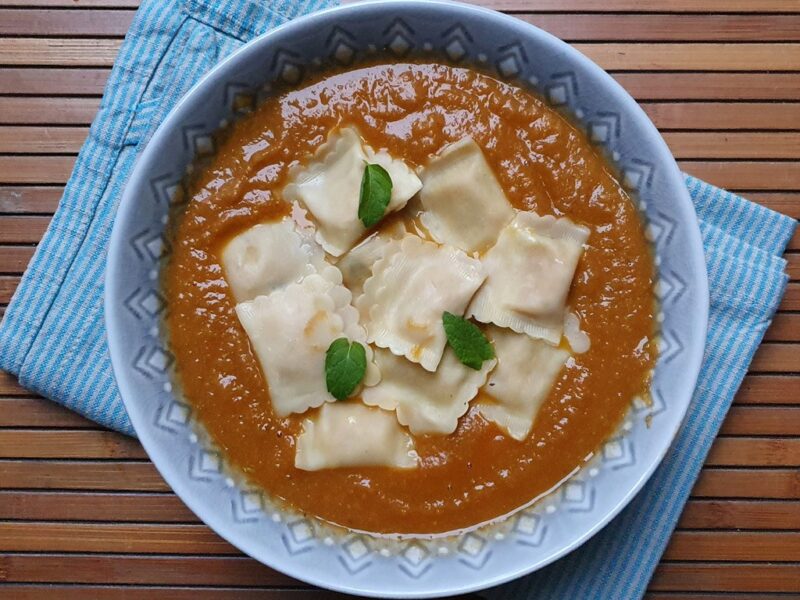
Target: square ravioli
(330, 187)
(463, 201)
(349, 434)
(290, 331)
(526, 371)
(409, 291)
(428, 403)
(270, 256)
(530, 272)
(356, 265)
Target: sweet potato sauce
(544, 164)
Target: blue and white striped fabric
(53, 337)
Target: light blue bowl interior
(398, 30)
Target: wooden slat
(77, 52)
(779, 357)
(757, 420)
(730, 546)
(793, 268)
(688, 144)
(9, 385)
(80, 475)
(724, 115)
(84, 4)
(785, 327)
(746, 175)
(35, 169)
(707, 86)
(22, 229)
(14, 259)
(39, 412)
(748, 483)
(741, 514)
(690, 57)
(42, 140)
(116, 22)
(673, 27)
(45, 81)
(708, 596)
(96, 537)
(118, 507)
(726, 577)
(699, 6)
(67, 111)
(29, 199)
(68, 444)
(154, 570)
(97, 592)
(8, 283)
(768, 389)
(755, 452)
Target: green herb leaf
(467, 341)
(376, 191)
(345, 365)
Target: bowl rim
(115, 270)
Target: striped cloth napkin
(53, 337)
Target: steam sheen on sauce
(544, 164)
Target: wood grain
(96, 23)
(22, 229)
(50, 111)
(769, 389)
(732, 546)
(137, 570)
(42, 140)
(727, 577)
(96, 592)
(27, 443)
(770, 484)
(83, 514)
(29, 199)
(93, 506)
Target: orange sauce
(544, 164)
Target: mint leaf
(376, 191)
(345, 365)
(467, 341)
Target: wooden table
(83, 513)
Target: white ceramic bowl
(299, 546)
